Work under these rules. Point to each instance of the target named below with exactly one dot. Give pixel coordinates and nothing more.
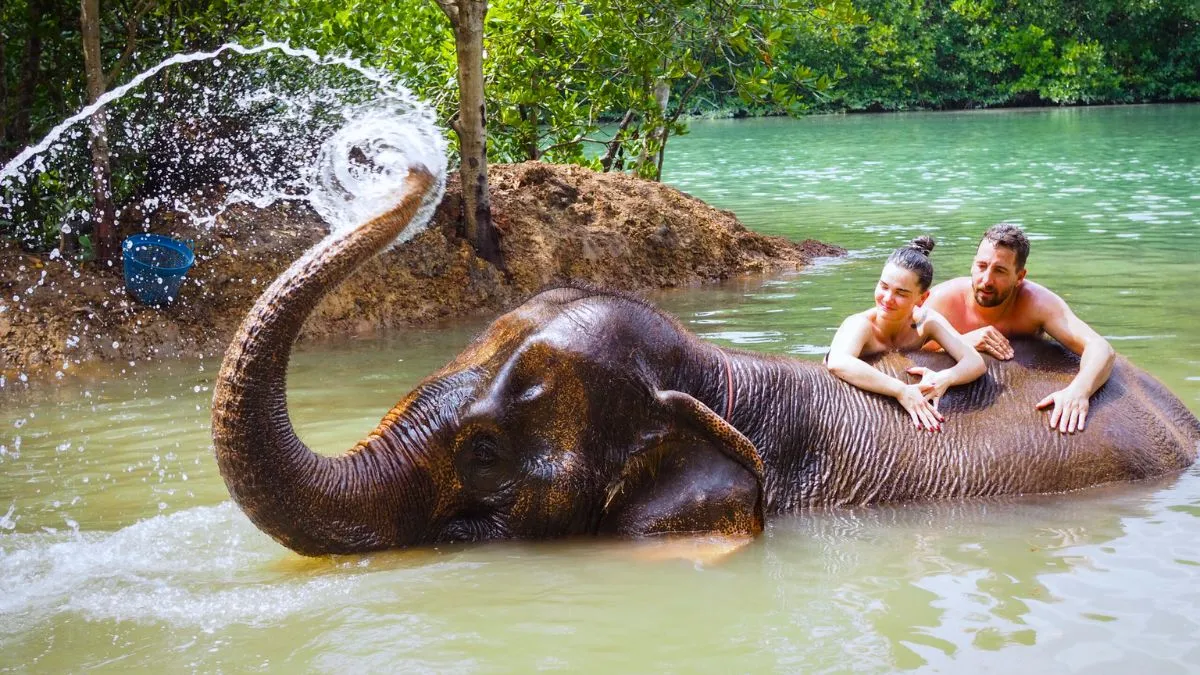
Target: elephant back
(995, 441)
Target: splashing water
(200, 132)
(360, 166)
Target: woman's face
(898, 292)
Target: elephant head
(564, 417)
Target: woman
(898, 322)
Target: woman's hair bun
(923, 243)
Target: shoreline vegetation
(551, 71)
(733, 114)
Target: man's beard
(991, 301)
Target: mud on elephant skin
(584, 412)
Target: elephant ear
(694, 474)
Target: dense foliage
(42, 63)
(556, 70)
(564, 80)
(41, 55)
(980, 53)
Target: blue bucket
(155, 267)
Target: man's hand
(915, 399)
(1070, 410)
(990, 341)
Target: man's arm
(1096, 358)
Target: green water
(119, 549)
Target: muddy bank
(556, 223)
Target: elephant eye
(485, 465)
(484, 451)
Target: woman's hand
(915, 399)
(938, 379)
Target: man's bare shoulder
(1035, 299)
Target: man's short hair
(1011, 237)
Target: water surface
(120, 550)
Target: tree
(27, 29)
(98, 81)
(466, 17)
(103, 213)
(672, 51)
(556, 71)
(30, 74)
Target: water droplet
(7, 522)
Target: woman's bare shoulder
(858, 319)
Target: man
(997, 302)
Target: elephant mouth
(473, 528)
(528, 514)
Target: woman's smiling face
(898, 292)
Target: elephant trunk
(310, 503)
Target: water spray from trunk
(231, 125)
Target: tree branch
(450, 8)
(614, 145)
(131, 26)
(578, 139)
(3, 98)
(683, 99)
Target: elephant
(591, 412)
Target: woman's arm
(844, 362)
(970, 364)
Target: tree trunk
(3, 101)
(662, 150)
(666, 130)
(31, 72)
(619, 163)
(466, 16)
(662, 94)
(614, 146)
(103, 215)
(529, 142)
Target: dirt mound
(556, 223)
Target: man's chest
(1014, 323)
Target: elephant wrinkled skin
(585, 411)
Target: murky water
(120, 550)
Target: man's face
(994, 274)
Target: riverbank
(733, 113)
(557, 223)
